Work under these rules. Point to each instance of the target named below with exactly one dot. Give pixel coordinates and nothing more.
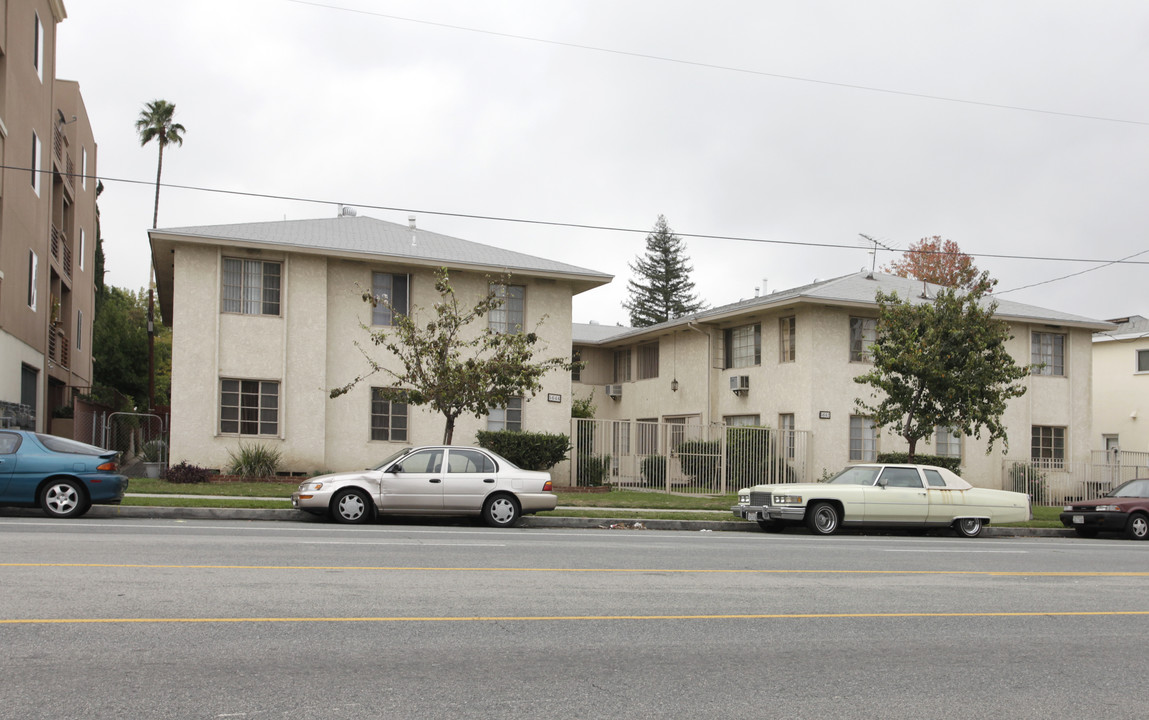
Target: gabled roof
(1133, 327)
(853, 290)
(363, 238)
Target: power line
(573, 225)
(1064, 277)
(715, 66)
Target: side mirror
(396, 468)
(883, 482)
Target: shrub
(751, 457)
(949, 463)
(154, 451)
(654, 470)
(530, 451)
(699, 460)
(186, 474)
(254, 461)
(593, 470)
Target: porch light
(674, 385)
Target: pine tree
(663, 290)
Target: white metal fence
(1058, 482)
(681, 457)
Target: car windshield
(64, 445)
(1133, 488)
(856, 476)
(392, 458)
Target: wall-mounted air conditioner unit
(614, 391)
(740, 384)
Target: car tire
(823, 519)
(500, 511)
(1085, 532)
(64, 499)
(771, 526)
(1138, 527)
(968, 527)
(351, 506)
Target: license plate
(1078, 519)
(752, 516)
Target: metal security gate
(684, 457)
(142, 441)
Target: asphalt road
(125, 617)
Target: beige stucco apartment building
(788, 361)
(268, 317)
(1121, 388)
(47, 222)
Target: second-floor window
(576, 366)
(1142, 361)
(787, 327)
(743, 346)
(38, 46)
(508, 317)
(622, 365)
(390, 293)
(1047, 353)
(863, 334)
(648, 361)
(33, 261)
(251, 287)
(36, 150)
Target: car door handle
(436, 480)
(489, 480)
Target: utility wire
(715, 66)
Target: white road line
(398, 542)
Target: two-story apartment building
(1121, 388)
(47, 221)
(788, 361)
(268, 317)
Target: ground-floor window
(249, 407)
(863, 439)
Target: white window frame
(511, 315)
(947, 442)
(83, 248)
(263, 408)
(648, 361)
(1047, 445)
(863, 334)
(1141, 361)
(863, 439)
(1045, 356)
(742, 420)
(389, 419)
(251, 297)
(37, 159)
(509, 417)
(79, 330)
(83, 167)
(789, 439)
(622, 370)
(33, 267)
(383, 287)
(38, 46)
(787, 339)
(743, 346)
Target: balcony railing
(58, 347)
(61, 250)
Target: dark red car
(1125, 510)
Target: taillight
(547, 486)
(107, 467)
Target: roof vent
(347, 211)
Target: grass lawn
(663, 505)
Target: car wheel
(771, 526)
(1138, 527)
(968, 527)
(63, 499)
(501, 511)
(351, 506)
(1085, 532)
(823, 519)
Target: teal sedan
(62, 477)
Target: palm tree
(155, 122)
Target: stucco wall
(1120, 394)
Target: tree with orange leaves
(940, 262)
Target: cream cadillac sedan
(436, 480)
(910, 496)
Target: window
(786, 427)
(461, 460)
(901, 477)
(863, 439)
(1047, 354)
(786, 332)
(249, 407)
(79, 329)
(250, 287)
(33, 261)
(83, 248)
(648, 361)
(576, 366)
(742, 420)
(947, 442)
(622, 365)
(863, 334)
(506, 418)
(390, 293)
(388, 418)
(934, 478)
(744, 346)
(38, 46)
(1142, 361)
(508, 317)
(1048, 446)
(36, 163)
(83, 169)
(646, 436)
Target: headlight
(743, 499)
(1107, 508)
(787, 499)
(310, 487)
(1068, 508)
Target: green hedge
(530, 451)
(654, 471)
(949, 463)
(593, 470)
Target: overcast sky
(797, 125)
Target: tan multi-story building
(1121, 390)
(47, 221)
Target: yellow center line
(704, 571)
(560, 618)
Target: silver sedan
(431, 480)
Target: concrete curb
(529, 521)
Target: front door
(414, 483)
(898, 497)
(8, 444)
(470, 477)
